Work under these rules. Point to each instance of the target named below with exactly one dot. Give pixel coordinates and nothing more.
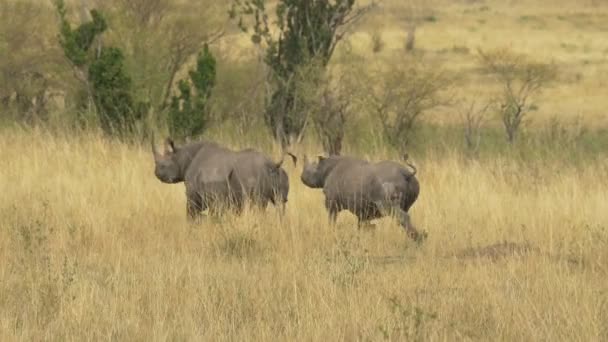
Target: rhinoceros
(262, 180)
(206, 169)
(219, 178)
(368, 190)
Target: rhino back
(253, 171)
(397, 181)
(392, 171)
(351, 180)
(211, 165)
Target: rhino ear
(169, 145)
(293, 158)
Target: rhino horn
(154, 149)
(169, 145)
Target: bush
(402, 97)
(112, 92)
(103, 73)
(473, 115)
(308, 31)
(189, 112)
(329, 99)
(520, 79)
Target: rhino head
(314, 173)
(167, 167)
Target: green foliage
(159, 38)
(109, 85)
(189, 112)
(112, 92)
(203, 77)
(308, 30)
(76, 43)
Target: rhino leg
(260, 203)
(217, 203)
(282, 208)
(194, 206)
(219, 206)
(235, 203)
(404, 220)
(332, 210)
(280, 205)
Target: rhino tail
(233, 180)
(414, 169)
(405, 158)
(234, 183)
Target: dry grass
(571, 34)
(94, 247)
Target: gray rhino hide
(262, 179)
(218, 178)
(205, 168)
(368, 190)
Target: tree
(402, 96)
(112, 92)
(307, 30)
(329, 98)
(520, 79)
(159, 39)
(330, 119)
(189, 112)
(473, 115)
(101, 71)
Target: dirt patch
(498, 251)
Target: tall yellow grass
(94, 247)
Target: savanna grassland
(94, 247)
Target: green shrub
(108, 86)
(189, 111)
